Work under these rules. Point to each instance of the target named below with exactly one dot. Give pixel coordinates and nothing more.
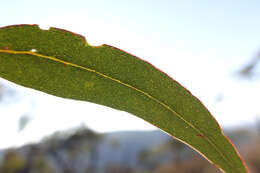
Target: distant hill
(84, 151)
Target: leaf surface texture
(63, 64)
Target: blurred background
(210, 47)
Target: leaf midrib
(122, 83)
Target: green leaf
(61, 63)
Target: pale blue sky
(199, 43)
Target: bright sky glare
(199, 43)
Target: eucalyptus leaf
(63, 64)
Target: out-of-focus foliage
(9, 97)
(248, 70)
(5, 91)
(85, 151)
(23, 122)
(12, 163)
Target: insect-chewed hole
(44, 27)
(33, 50)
